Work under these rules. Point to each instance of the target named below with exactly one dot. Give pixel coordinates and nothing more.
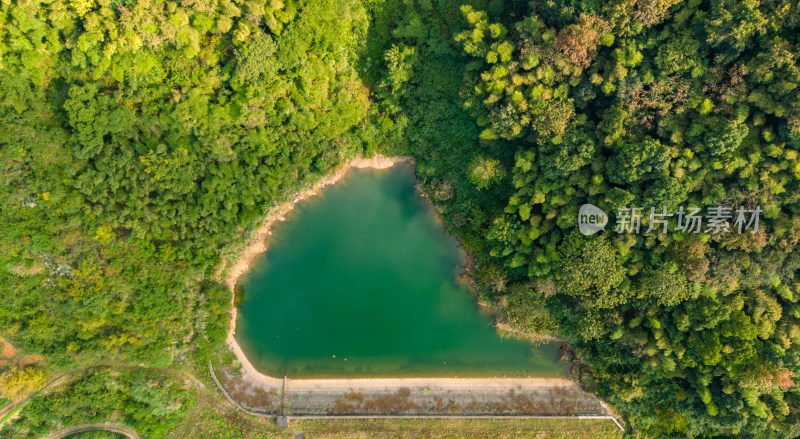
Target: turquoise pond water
(361, 281)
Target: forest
(142, 141)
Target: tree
(484, 172)
(590, 269)
(567, 154)
(19, 382)
(637, 161)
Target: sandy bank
(508, 330)
(252, 375)
(431, 383)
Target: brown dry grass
(8, 350)
(391, 403)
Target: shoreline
(258, 245)
(463, 276)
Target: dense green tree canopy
(661, 105)
(141, 141)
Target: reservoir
(360, 281)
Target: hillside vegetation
(140, 143)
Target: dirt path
(14, 405)
(114, 428)
(68, 375)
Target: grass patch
(11, 414)
(448, 428)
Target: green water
(360, 281)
